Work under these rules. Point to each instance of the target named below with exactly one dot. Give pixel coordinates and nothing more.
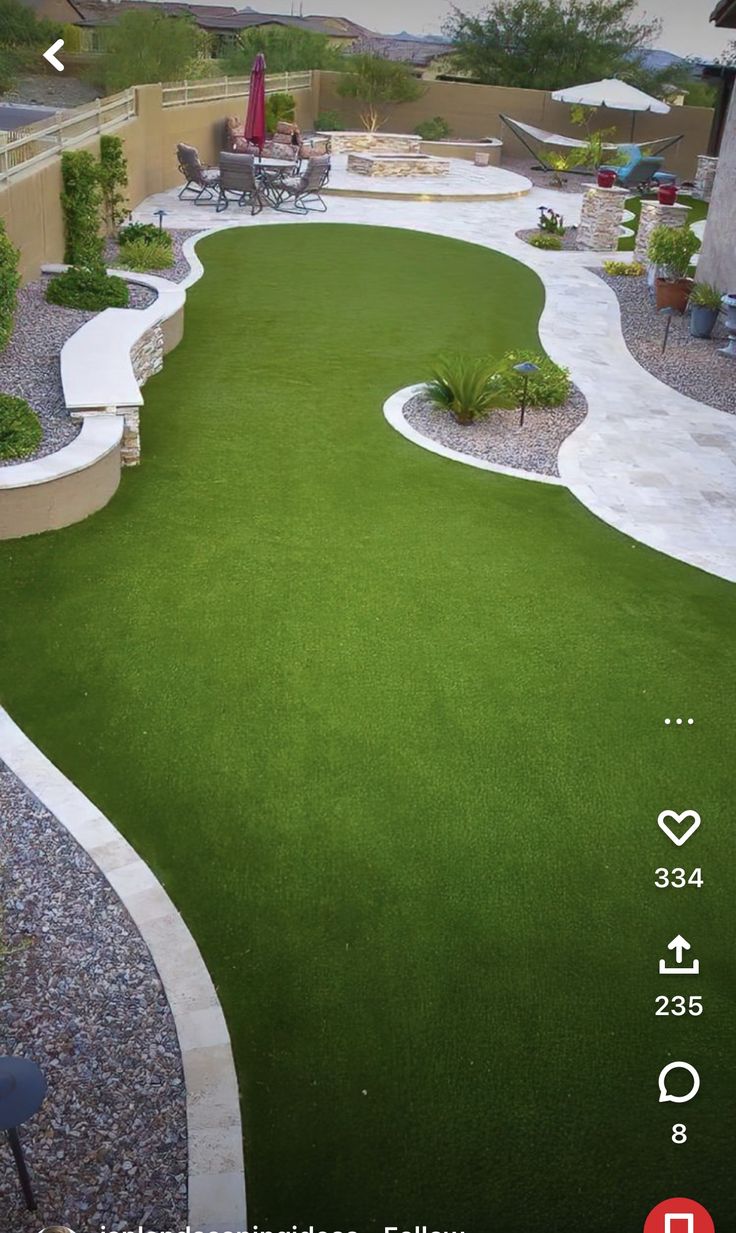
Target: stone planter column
(704, 177)
(655, 215)
(601, 218)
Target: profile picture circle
(56, 1228)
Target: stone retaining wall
(386, 143)
(398, 166)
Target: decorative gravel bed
(79, 995)
(177, 271)
(693, 366)
(569, 239)
(29, 365)
(540, 178)
(498, 438)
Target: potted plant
(468, 388)
(671, 250)
(705, 305)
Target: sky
(687, 30)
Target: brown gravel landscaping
(692, 366)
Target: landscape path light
(160, 215)
(527, 370)
(22, 1091)
(668, 314)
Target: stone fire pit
(404, 165)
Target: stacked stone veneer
(397, 165)
(384, 143)
(601, 218)
(705, 176)
(655, 215)
(147, 358)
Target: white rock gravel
(692, 366)
(498, 438)
(79, 995)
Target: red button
(679, 1216)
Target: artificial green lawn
(698, 211)
(390, 729)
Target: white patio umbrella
(618, 95)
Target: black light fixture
(527, 370)
(22, 1091)
(668, 314)
(160, 215)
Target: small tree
(376, 82)
(81, 199)
(113, 176)
(279, 106)
(147, 46)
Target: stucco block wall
(717, 262)
(59, 502)
(473, 112)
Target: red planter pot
(667, 194)
(606, 179)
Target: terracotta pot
(667, 194)
(606, 179)
(673, 293)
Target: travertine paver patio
(658, 466)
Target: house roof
(216, 17)
(724, 14)
(412, 51)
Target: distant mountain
(405, 36)
(656, 60)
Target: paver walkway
(658, 466)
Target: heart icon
(678, 839)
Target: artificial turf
(391, 731)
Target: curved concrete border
(63, 487)
(97, 377)
(216, 1173)
(393, 410)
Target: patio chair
(201, 182)
(304, 191)
(238, 180)
(639, 170)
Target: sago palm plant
(468, 387)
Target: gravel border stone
(692, 366)
(498, 438)
(80, 995)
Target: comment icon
(665, 1095)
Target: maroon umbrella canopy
(255, 121)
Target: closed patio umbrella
(615, 94)
(255, 120)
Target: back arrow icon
(50, 55)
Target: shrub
(328, 122)
(145, 255)
(113, 177)
(436, 129)
(468, 388)
(543, 239)
(626, 269)
(81, 198)
(9, 280)
(148, 232)
(551, 221)
(705, 295)
(279, 106)
(91, 290)
(672, 249)
(549, 387)
(376, 83)
(20, 429)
